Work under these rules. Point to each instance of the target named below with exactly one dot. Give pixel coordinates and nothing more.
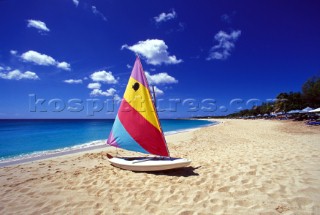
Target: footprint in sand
(243, 203)
(224, 189)
(186, 213)
(251, 173)
(244, 181)
(233, 178)
(199, 196)
(301, 202)
(282, 208)
(201, 181)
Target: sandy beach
(238, 167)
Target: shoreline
(238, 167)
(79, 148)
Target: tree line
(284, 102)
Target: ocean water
(25, 138)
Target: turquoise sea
(20, 139)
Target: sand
(239, 167)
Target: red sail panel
(141, 130)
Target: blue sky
(72, 58)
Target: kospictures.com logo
(109, 105)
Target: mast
(154, 97)
(155, 108)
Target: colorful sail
(136, 126)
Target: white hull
(149, 164)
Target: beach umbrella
(265, 114)
(306, 110)
(315, 110)
(294, 111)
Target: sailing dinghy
(137, 128)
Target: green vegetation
(308, 97)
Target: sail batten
(137, 127)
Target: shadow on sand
(181, 172)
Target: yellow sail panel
(138, 96)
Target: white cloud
(73, 81)
(75, 2)
(13, 52)
(163, 17)
(18, 75)
(98, 13)
(181, 27)
(5, 68)
(226, 42)
(94, 85)
(64, 66)
(160, 78)
(41, 26)
(154, 50)
(116, 97)
(226, 18)
(158, 92)
(103, 76)
(43, 60)
(99, 92)
(129, 66)
(38, 58)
